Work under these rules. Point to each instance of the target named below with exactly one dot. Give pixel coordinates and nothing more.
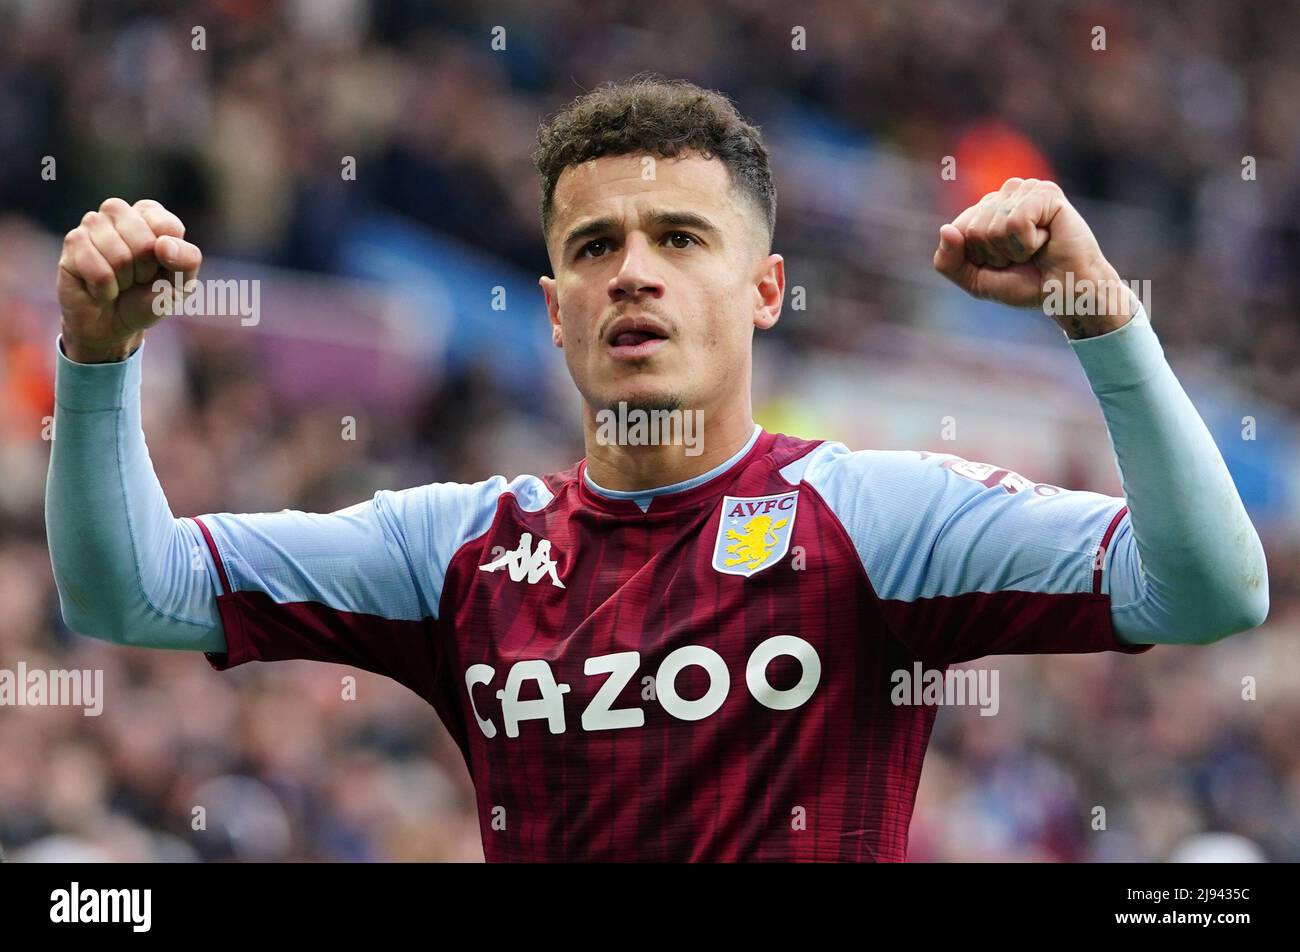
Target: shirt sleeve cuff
(87, 387)
(1123, 358)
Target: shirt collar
(642, 497)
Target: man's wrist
(1100, 303)
(82, 352)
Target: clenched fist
(106, 275)
(1024, 241)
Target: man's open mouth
(633, 337)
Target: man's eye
(675, 237)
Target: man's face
(660, 280)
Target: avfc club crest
(754, 532)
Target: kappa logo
(754, 532)
(526, 563)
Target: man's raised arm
(1186, 564)
(123, 566)
(355, 586)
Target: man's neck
(627, 464)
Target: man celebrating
(662, 655)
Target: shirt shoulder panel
(385, 557)
(436, 520)
(934, 524)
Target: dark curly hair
(656, 116)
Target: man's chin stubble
(666, 402)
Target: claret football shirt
(700, 672)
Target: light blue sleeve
(975, 559)
(125, 569)
(130, 572)
(1186, 565)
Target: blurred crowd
(243, 139)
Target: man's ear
(552, 308)
(769, 291)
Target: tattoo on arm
(1078, 331)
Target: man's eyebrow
(656, 219)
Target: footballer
(661, 655)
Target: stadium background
(377, 304)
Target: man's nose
(636, 275)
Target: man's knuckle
(134, 238)
(97, 270)
(165, 219)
